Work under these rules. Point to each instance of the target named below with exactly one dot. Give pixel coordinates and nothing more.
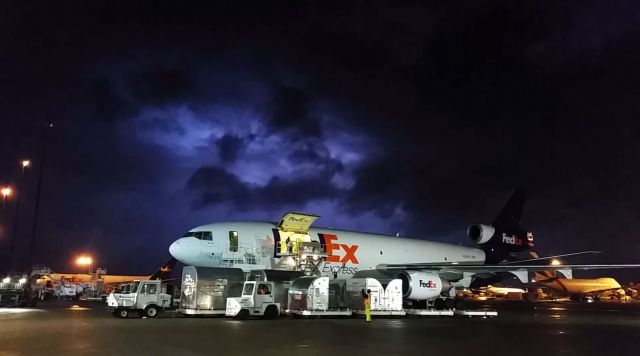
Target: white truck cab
(256, 300)
(145, 297)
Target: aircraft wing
(520, 271)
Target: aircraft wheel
(271, 313)
(438, 304)
(151, 311)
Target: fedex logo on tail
(338, 252)
(511, 240)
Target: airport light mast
(6, 192)
(85, 261)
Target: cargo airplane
(578, 288)
(428, 269)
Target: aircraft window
(189, 234)
(199, 235)
(207, 236)
(233, 241)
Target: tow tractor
(256, 300)
(147, 298)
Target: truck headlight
(22, 280)
(6, 280)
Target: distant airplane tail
(164, 272)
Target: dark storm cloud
(215, 186)
(161, 85)
(290, 110)
(316, 154)
(229, 146)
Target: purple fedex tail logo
(511, 240)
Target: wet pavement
(521, 328)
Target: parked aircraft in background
(579, 288)
(108, 279)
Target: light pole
(85, 261)
(25, 163)
(34, 226)
(6, 192)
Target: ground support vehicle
(146, 298)
(17, 290)
(257, 299)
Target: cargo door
(297, 222)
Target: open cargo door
(297, 222)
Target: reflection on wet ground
(522, 328)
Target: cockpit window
(200, 235)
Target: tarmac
(521, 328)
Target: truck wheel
(151, 311)
(271, 313)
(121, 312)
(242, 314)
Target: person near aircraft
(367, 305)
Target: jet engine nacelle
(507, 240)
(417, 285)
(481, 234)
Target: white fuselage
(348, 251)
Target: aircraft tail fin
(164, 272)
(511, 213)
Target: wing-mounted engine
(418, 285)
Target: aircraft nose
(184, 250)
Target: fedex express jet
(428, 269)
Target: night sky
(384, 117)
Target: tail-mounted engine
(513, 240)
